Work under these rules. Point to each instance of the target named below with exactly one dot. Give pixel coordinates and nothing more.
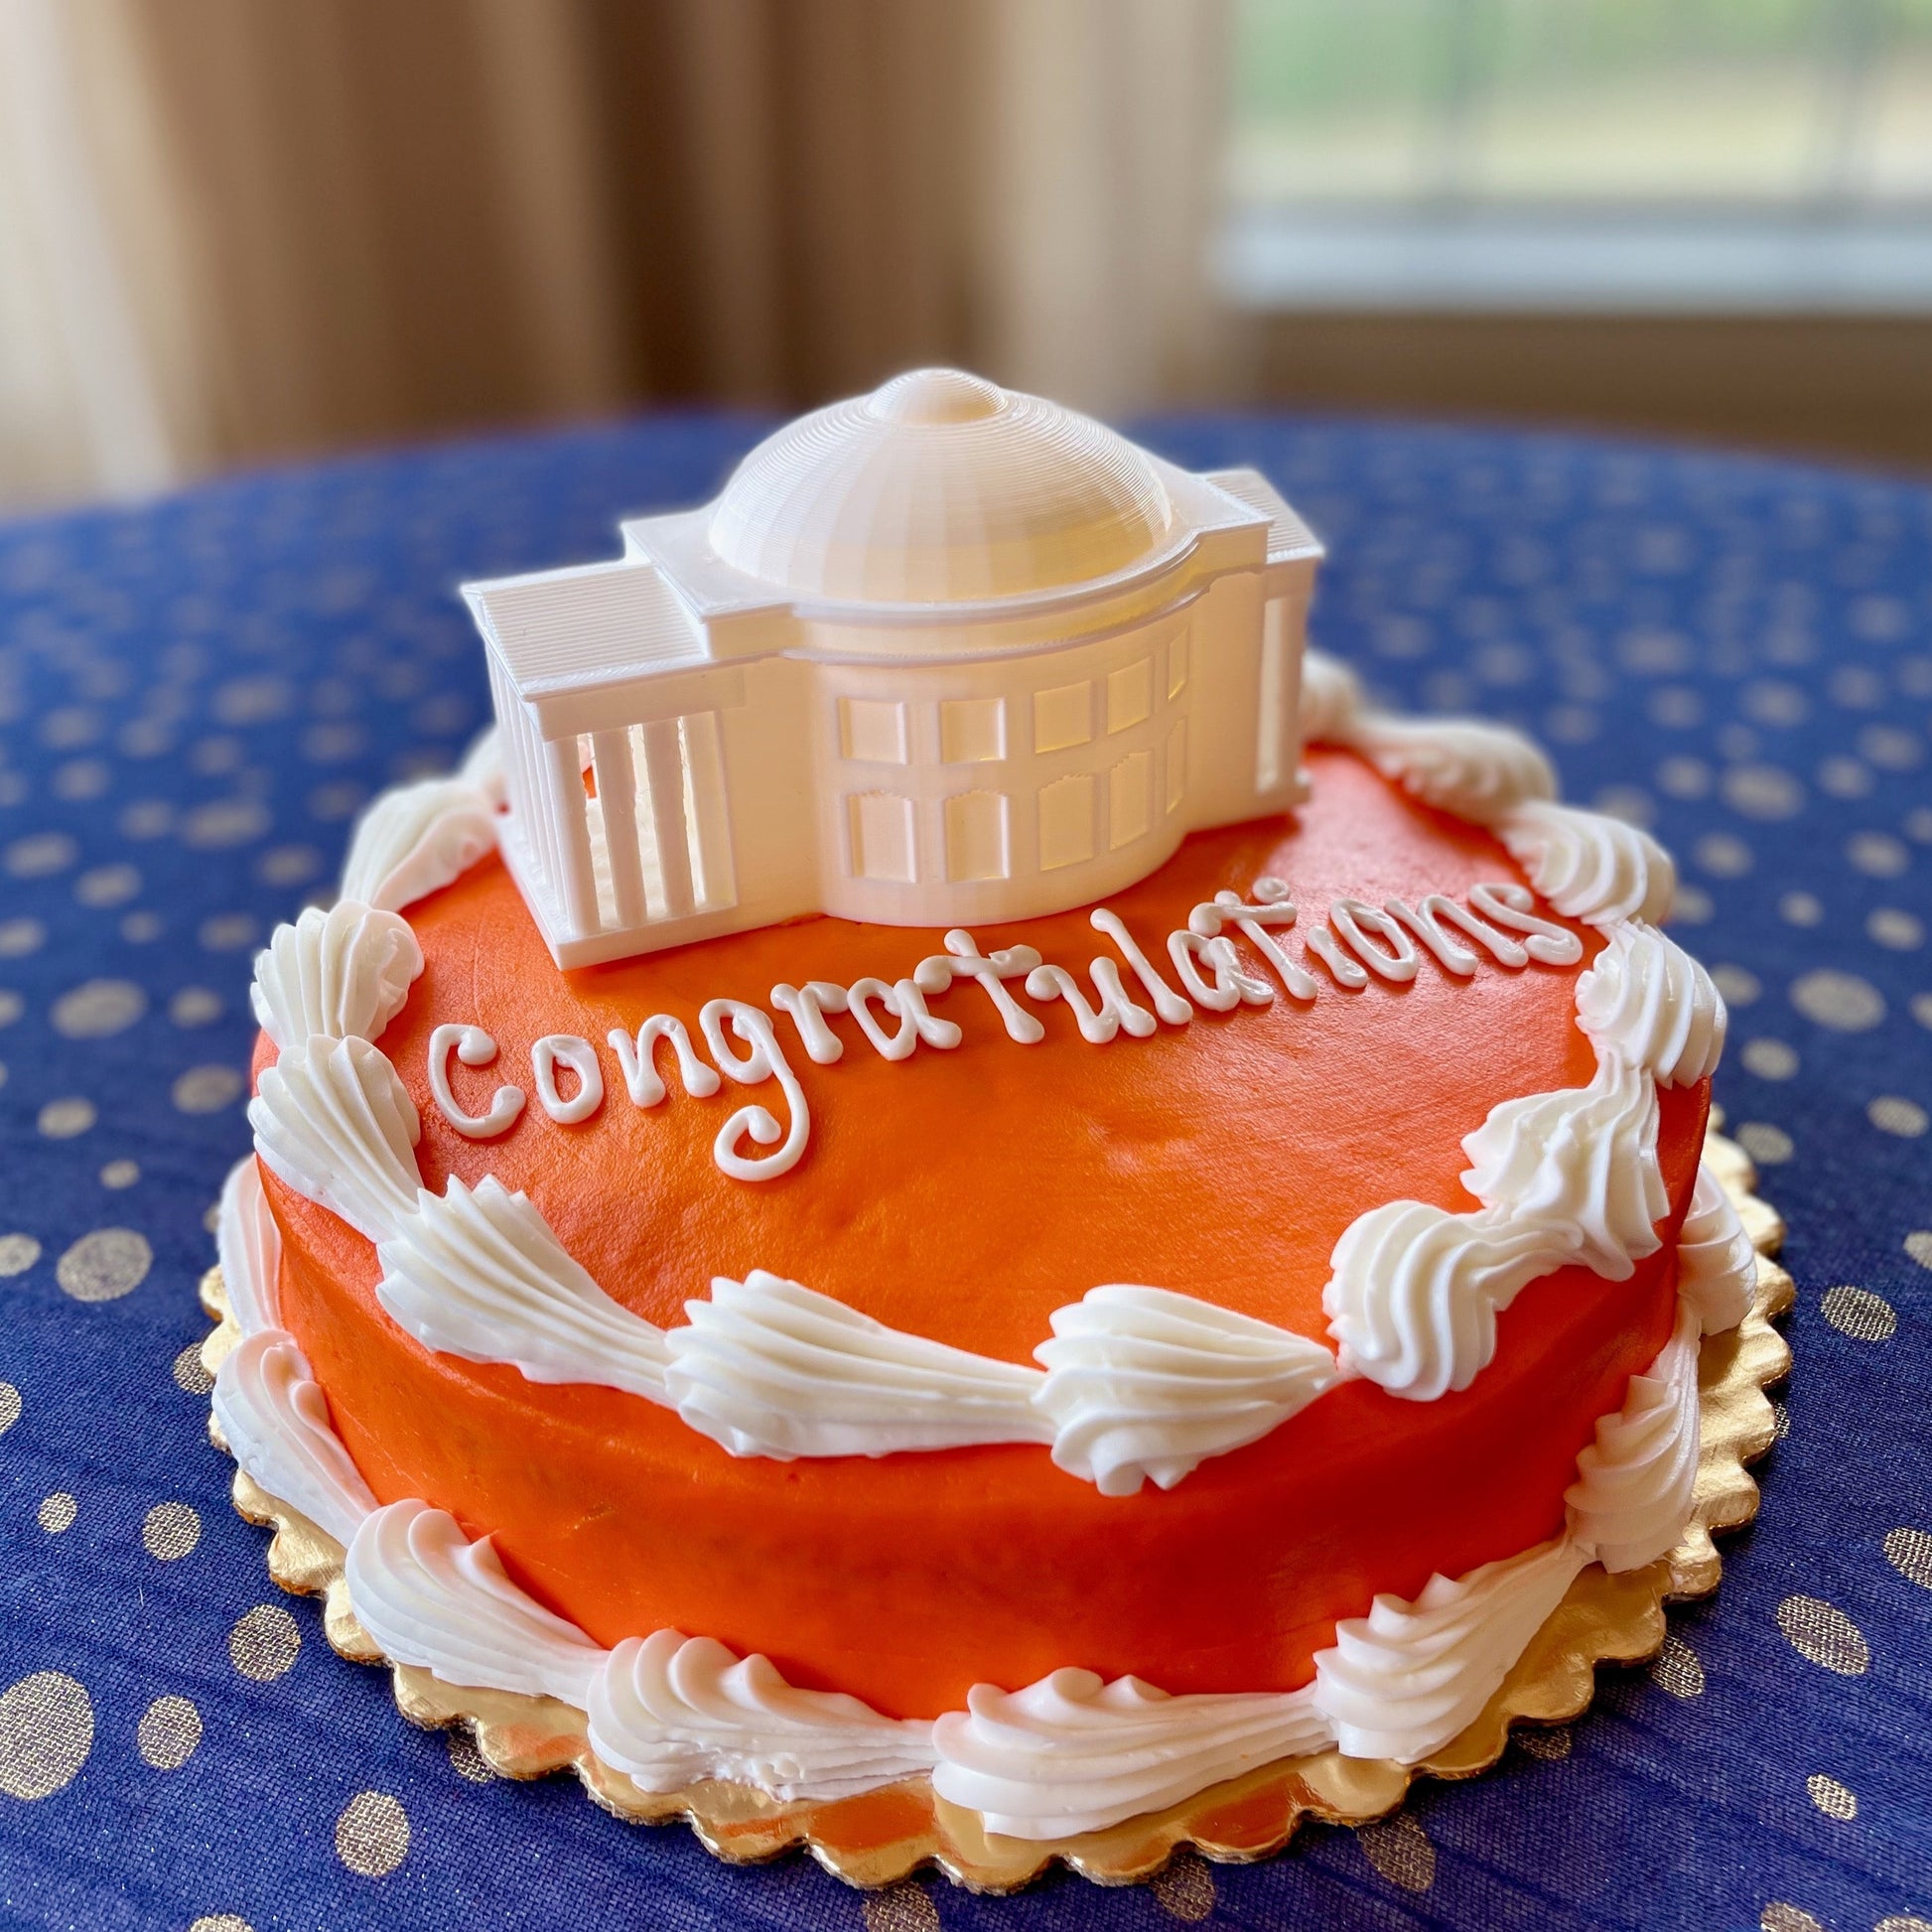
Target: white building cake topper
(940, 655)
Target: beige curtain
(249, 229)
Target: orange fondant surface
(965, 1195)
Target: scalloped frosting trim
(1068, 1754)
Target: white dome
(939, 489)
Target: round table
(196, 696)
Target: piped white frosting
(346, 972)
(1145, 1383)
(768, 1368)
(1647, 1000)
(1582, 1161)
(1590, 867)
(671, 1710)
(416, 839)
(431, 1597)
(479, 1274)
(331, 1118)
(275, 1418)
(1413, 1291)
(248, 1245)
(1717, 1265)
(1635, 1483)
(1474, 770)
(1402, 1681)
(1332, 699)
(1071, 1753)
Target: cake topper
(940, 655)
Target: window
(1130, 694)
(972, 731)
(883, 845)
(1066, 822)
(1127, 799)
(1176, 763)
(1688, 155)
(872, 729)
(976, 836)
(1177, 664)
(1062, 717)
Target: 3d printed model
(939, 656)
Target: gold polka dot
(1824, 1634)
(57, 1512)
(464, 1758)
(63, 1119)
(264, 1642)
(1841, 1000)
(1894, 928)
(120, 1173)
(1779, 1917)
(1909, 1552)
(17, 1253)
(169, 1531)
(47, 1729)
(98, 1009)
(1832, 1798)
(19, 937)
(169, 1731)
(1859, 1313)
(1398, 1849)
(1184, 1887)
(1902, 1922)
(1892, 1113)
(1740, 986)
(1723, 855)
(905, 1907)
(9, 1406)
(1918, 1244)
(372, 1833)
(220, 1922)
(206, 1089)
(189, 1373)
(12, 1006)
(1677, 1669)
(1768, 1145)
(194, 1005)
(1551, 1744)
(1769, 1059)
(105, 1265)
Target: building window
(872, 729)
(972, 731)
(883, 845)
(1127, 799)
(1177, 664)
(1066, 821)
(1130, 694)
(1176, 763)
(1062, 716)
(976, 836)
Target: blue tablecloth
(196, 696)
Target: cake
(948, 1168)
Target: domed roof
(937, 489)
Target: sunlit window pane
(1682, 102)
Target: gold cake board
(878, 1836)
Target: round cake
(1074, 1357)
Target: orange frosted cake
(1072, 1296)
